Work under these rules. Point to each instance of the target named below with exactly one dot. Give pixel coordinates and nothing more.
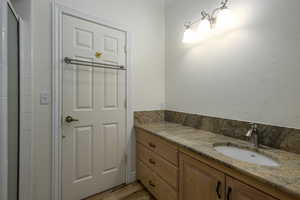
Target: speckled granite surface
(287, 139)
(144, 117)
(286, 177)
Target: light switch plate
(44, 97)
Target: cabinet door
(240, 191)
(199, 181)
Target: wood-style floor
(133, 191)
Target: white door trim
(57, 11)
(3, 101)
(25, 148)
(26, 113)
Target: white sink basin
(246, 155)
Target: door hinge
(125, 103)
(125, 49)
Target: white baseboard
(132, 177)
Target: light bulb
(225, 19)
(204, 29)
(189, 36)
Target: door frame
(58, 11)
(3, 101)
(25, 135)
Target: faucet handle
(252, 129)
(253, 134)
(249, 133)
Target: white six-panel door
(93, 158)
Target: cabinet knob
(151, 184)
(151, 161)
(152, 145)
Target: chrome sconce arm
(218, 19)
(224, 4)
(210, 17)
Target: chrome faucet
(253, 135)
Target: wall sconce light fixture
(220, 18)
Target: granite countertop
(286, 177)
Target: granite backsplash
(146, 117)
(287, 139)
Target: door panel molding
(58, 11)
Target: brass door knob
(70, 119)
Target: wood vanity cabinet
(171, 172)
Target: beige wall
(145, 19)
(250, 73)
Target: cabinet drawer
(163, 168)
(158, 187)
(144, 174)
(164, 148)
